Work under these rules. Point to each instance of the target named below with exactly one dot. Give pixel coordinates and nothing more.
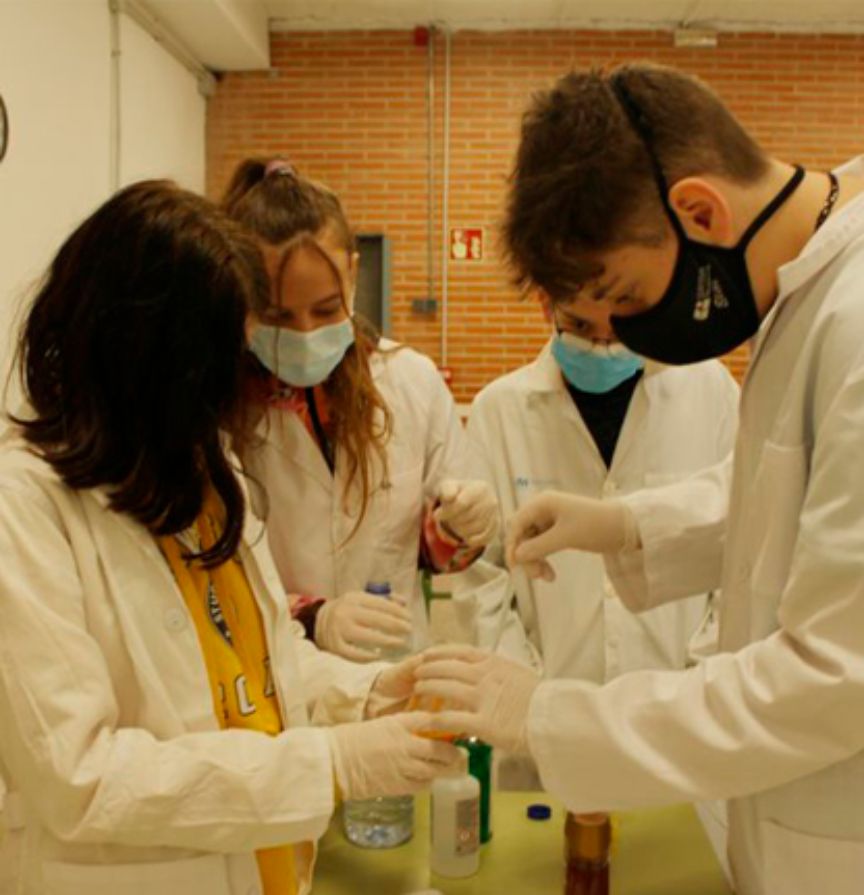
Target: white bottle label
(467, 826)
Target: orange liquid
(430, 704)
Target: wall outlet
(424, 305)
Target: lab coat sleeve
(446, 450)
(337, 690)
(482, 598)
(780, 708)
(682, 528)
(90, 777)
(486, 592)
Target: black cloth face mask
(709, 307)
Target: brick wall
(349, 108)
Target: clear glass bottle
(455, 822)
(587, 839)
(386, 821)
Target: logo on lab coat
(523, 483)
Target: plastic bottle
(587, 838)
(386, 821)
(455, 822)
(388, 654)
(480, 767)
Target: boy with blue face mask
(599, 372)
(591, 418)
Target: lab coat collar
(377, 361)
(543, 377)
(820, 250)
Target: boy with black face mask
(638, 191)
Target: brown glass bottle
(587, 838)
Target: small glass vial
(587, 838)
(455, 822)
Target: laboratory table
(661, 851)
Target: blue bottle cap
(378, 588)
(539, 811)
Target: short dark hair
(131, 356)
(583, 181)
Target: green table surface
(660, 851)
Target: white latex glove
(489, 694)
(357, 624)
(392, 689)
(384, 758)
(467, 512)
(555, 521)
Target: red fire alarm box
(466, 243)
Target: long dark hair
(282, 208)
(131, 357)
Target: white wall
(56, 80)
(162, 113)
(54, 77)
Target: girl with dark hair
(154, 691)
(359, 441)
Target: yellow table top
(660, 851)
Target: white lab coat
(776, 720)
(308, 523)
(529, 437)
(121, 782)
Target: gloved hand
(384, 758)
(467, 512)
(555, 521)
(489, 694)
(392, 689)
(356, 623)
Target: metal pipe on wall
(115, 113)
(445, 195)
(430, 152)
(172, 45)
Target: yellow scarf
(231, 635)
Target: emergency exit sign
(466, 243)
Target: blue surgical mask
(593, 367)
(302, 359)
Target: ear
(703, 211)
(353, 264)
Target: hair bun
(279, 166)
